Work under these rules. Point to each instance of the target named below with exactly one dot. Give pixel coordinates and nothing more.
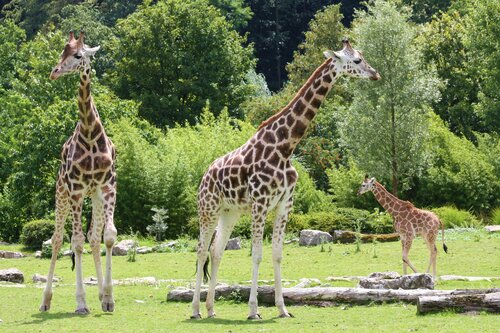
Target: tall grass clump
(457, 218)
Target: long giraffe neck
(90, 124)
(390, 203)
(292, 122)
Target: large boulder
(233, 244)
(11, 255)
(388, 281)
(314, 237)
(122, 248)
(11, 275)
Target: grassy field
(143, 308)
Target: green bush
(36, 232)
(456, 218)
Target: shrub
(36, 232)
(495, 216)
(456, 218)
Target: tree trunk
(478, 302)
(323, 295)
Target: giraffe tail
(206, 274)
(445, 248)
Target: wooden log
(346, 237)
(323, 294)
(479, 302)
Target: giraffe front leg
(407, 241)
(108, 195)
(278, 238)
(62, 210)
(259, 212)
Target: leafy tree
(443, 43)
(176, 55)
(11, 37)
(386, 124)
(424, 10)
(235, 11)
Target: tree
(424, 10)
(176, 55)
(385, 126)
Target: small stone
(314, 237)
(43, 278)
(234, 244)
(306, 283)
(11, 275)
(163, 246)
(144, 250)
(38, 254)
(290, 241)
(492, 228)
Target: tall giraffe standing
(258, 177)
(409, 221)
(87, 169)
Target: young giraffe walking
(87, 169)
(409, 221)
(258, 177)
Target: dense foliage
(180, 83)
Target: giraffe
(258, 177)
(409, 221)
(87, 170)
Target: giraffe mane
(297, 96)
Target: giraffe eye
(357, 61)
(78, 56)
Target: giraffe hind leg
(62, 210)
(226, 224)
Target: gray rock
(11, 275)
(305, 283)
(123, 247)
(43, 278)
(144, 250)
(67, 253)
(384, 275)
(38, 254)
(163, 246)
(492, 228)
(234, 244)
(314, 237)
(11, 255)
(412, 281)
(290, 241)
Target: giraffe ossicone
(87, 170)
(258, 177)
(409, 222)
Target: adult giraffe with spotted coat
(87, 169)
(409, 221)
(258, 177)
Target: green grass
(470, 253)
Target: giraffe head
(367, 185)
(350, 62)
(75, 56)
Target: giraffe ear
(331, 54)
(372, 180)
(90, 51)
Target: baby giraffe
(409, 221)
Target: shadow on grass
(41, 317)
(221, 321)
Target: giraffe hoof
(254, 317)
(82, 311)
(108, 306)
(286, 315)
(211, 316)
(197, 316)
(44, 307)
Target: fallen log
(317, 295)
(346, 237)
(462, 303)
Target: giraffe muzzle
(375, 77)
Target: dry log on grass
(317, 295)
(480, 302)
(345, 237)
